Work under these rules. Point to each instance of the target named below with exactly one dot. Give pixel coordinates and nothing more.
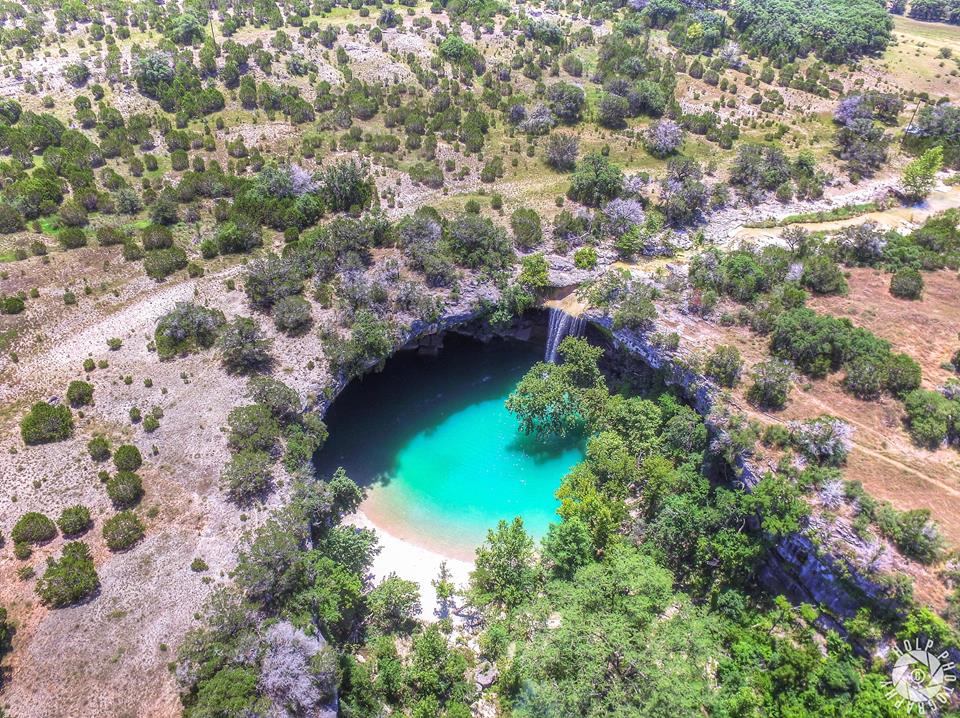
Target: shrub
(127, 458)
(79, 393)
(823, 275)
(527, 232)
(46, 423)
(33, 528)
(253, 427)
(562, 151)
(156, 236)
(188, 328)
(123, 530)
(771, 384)
(283, 402)
(931, 417)
(585, 258)
(825, 440)
(247, 476)
(595, 181)
(477, 243)
(98, 448)
(70, 579)
(344, 186)
(292, 315)
(125, 489)
(237, 236)
(723, 365)
(866, 376)
(636, 312)
(903, 374)
(394, 605)
(11, 305)
(161, 263)
(243, 347)
(74, 520)
(72, 238)
(907, 283)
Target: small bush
(187, 328)
(79, 393)
(127, 458)
(33, 528)
(70, 579)
(907, 283)
(771, 384)
(74, 520)
(72, 238)
(585, 258)
(723, 366)
(123, 530)
(98, 448)
(46, 423)
(248, 476)
(527, 232)
(161, 263)
(125, 489)
(823, 275)
(292, 315)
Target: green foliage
(595, 181)
(772, 380)
(527, 232)
(476, 242)
(46, 423)
(127, 458)
(187, 328)
(504, 569)
(33, 528)
(345, 186)
(907, 283)
(247, 476)
(823, 275)
(161, 263)
(723, 365)
(931, 417)
(837, 30)
(74, 520)
(98, 448)
(79, 393)
(394, 605)
(125, 489)
(243, 348)
(123, 530)
(919, 177)
(70, 579)
(550, 398)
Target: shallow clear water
(441, 457)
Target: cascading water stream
(560, 325)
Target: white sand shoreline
(413, 563)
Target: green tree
(504, 572)
(394, 605)
(46, 423)
(69, 579)
(920, 175)
(595, 181)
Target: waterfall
(561, 325)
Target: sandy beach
(413, 563)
